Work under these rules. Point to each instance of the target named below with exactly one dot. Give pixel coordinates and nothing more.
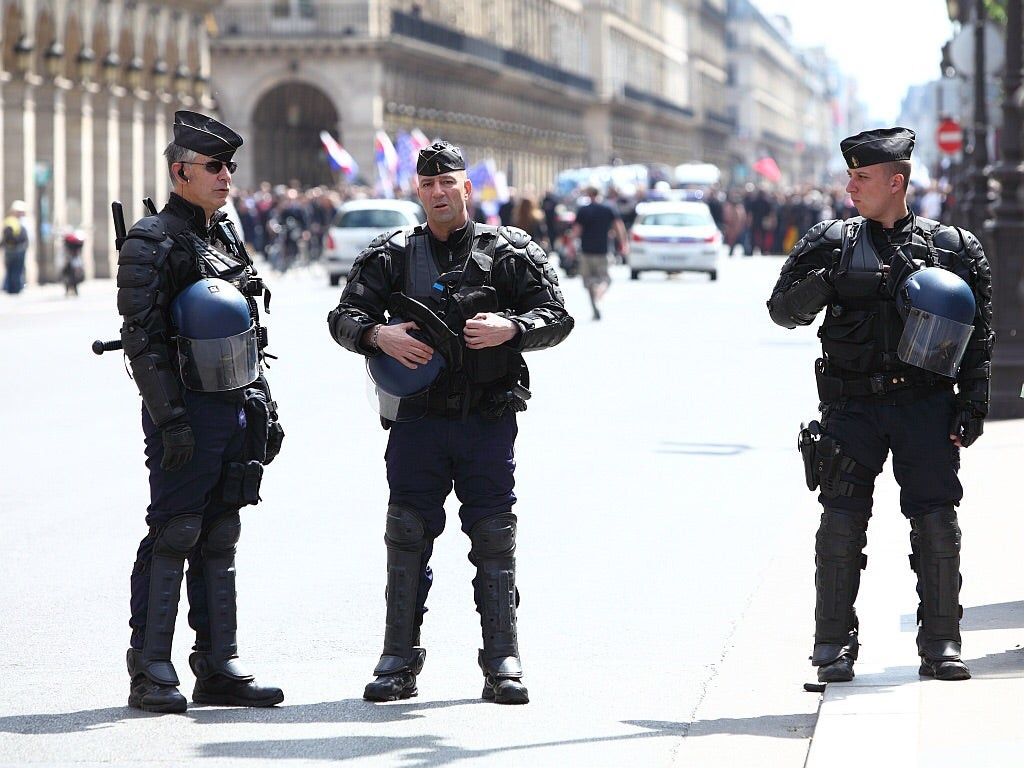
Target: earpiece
(181, 173)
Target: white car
(357, 223)
(674, 236)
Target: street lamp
(53, 56)
(111, 66)
(976, 202)
(1005, 232)
(160, 75)
(134, 72)
(23, 53)
(200, 86)
(181, 79)
(86, 62)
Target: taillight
(329, 242)
(635, 237)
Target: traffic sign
(950, 136)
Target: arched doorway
(287, 122)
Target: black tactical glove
(968, 422)
(178, 445)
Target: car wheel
(634, 274)
(335, 279)
(713, 274)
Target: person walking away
(73, 271)
(595, 223)
(15, 240)
(192, 335)
(906, 359)
(443, 312)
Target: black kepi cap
(882, 145)
(205, 135)
(440, 157)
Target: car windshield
(675, 219)
(372, 218)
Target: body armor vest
(456, 296)
(862, 329)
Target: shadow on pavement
(431, 750)
(995, 616)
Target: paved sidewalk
(888, 715)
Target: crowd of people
(288, 223)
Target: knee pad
(405, 529)
(937, 533)
(224, 534)
(494, 536)
(841, 535)
(178, 536)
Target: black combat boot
(839, 559)
(935, 558)
(150, 694)
(402, 659)
(220, 676)
(493, 553)
(154, 681)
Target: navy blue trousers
(925, 462)
(429, 457)
(219, 429)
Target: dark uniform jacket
(161, 255)
(862, 325)
(490, 269)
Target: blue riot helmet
(939, 309)
(217, 340)
(398, 393)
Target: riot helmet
(939, 311)
(398, 393)
(217, 337)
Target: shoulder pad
(824, 233)
(395, 237)
(516, 237)
(948, 238)
(148, 228)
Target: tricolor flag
(387, 162)
(339, 158)
(408, 146)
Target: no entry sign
(950, 136)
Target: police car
(357, 223)
(674, 236)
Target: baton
(117, 211)
(99, 346)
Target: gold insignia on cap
(854, 162)
(438, 166)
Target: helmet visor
(219, 365)
(934, 343)
(394, 407)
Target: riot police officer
(187, 293)
(905, 367)
(464, 301)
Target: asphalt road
(665, 547)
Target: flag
(340, 159)
(387, 162)
(407, 147)
(407, 155)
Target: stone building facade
(87, 93)
(88, 89)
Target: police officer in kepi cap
(187, 293)
(905, 366)
(477, 297)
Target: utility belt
(897, 387)
(457, 399)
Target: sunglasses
(214, 166)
